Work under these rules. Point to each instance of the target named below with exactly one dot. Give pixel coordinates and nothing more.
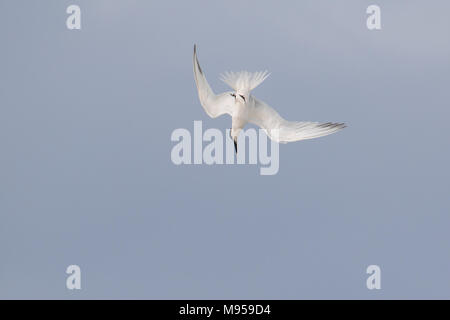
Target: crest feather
(244, 80)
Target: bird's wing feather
(284, 131)
(214, 105)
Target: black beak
(235, 145)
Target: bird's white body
(245, 108)
(239, 117)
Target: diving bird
(245, 108)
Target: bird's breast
(240, 111)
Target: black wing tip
(196, 60)
(331, 125)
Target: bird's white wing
(281, 130)
(214, 105)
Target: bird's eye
(242, 97)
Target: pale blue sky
(85, 171)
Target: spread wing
(281, 130)
(214, 105)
